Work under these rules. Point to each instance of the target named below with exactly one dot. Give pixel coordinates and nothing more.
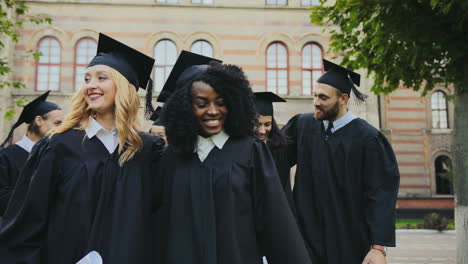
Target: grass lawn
(417, 223)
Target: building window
(165, 52)
(202, 2)
(166, 1)
(48, 66)
(444, 176)
(85, 50)
(439, 110)
(277, 2)
(312, 66)
(310, 2)
(202, 47)
(277, 68)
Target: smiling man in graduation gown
(41, 116)
(347, 176)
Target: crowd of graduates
(211, 181)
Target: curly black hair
(230, 82)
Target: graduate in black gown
(267, 130)
(89, 186)
(41, 116)
(221, 198)
(347, 176)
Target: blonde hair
(127, 103)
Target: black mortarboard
(132, 64)
(187, 67)
(342, 79)
(135, 66)
(264, 102)
(37, 107)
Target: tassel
(149, 109)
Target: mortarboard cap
(132, 64)
(264, 102)
(342, 79)
(187, 67)
(37, 107)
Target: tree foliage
(414, 43)
(13, 15)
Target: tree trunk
(461, 172)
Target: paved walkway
(423, 247)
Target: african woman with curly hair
(221, 200)
(88, 187)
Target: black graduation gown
(229, 209)
(12, 159)
(283, 166)
(345, 188)
(72, 198)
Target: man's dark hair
(230, 82)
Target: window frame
(276, 3)
(311, 4)
(202, 2)
(439, 110)
(162, 66)
(38, 64)
(75, 62)
(206, 41)
(166, 3)
(278, 69)
(312, 69)
(436, 175)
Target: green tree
(415, 43)
(13, 15)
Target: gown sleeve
(277, 231)
(157, 150)
(24, 225)
(290, 130)
(283, 166)
(6, 187)
(382, 178)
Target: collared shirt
(26, 143)
(339, 123)
(107, 137)
(205, 145)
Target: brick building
(274, 43)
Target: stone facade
(240, 32)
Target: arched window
(439, 110)
(444, 176)
(165, 52)
(48, 66)
(277, 68)
(312, 66)
(202, 47)
(85, 50)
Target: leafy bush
(435, 221)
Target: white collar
(341, 122)
(205, 145)
(95, 127)
(218, 140)
(26, 143)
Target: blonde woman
(88, 187)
